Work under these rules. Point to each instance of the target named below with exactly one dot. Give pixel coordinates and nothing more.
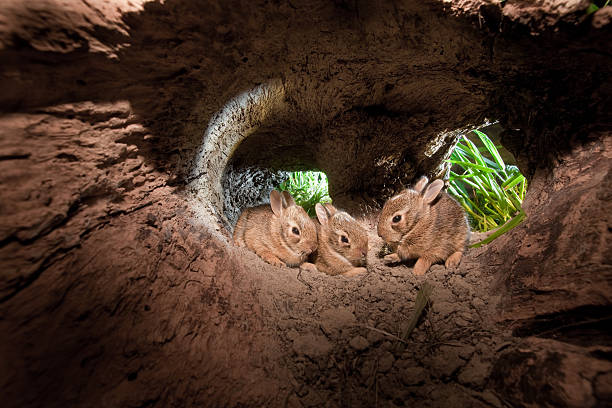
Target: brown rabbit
(423, 227)
(280, 233)
(343, 243)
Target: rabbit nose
(364, 253)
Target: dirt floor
(340, 337)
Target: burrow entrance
(252, 145)
(344, 340)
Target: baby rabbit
(281, 233)
(425, 228)
(343, 243)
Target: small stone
(359, 343)
(414, 375)
(466, 351)
(138, 180)
(375, 337)
(478, 303)
(385, 362)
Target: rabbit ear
(418, 187)
(330, 209)
(322, 214)
(276, 202)
(288, 200)
(432, 191)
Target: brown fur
(433, 226)
(333, 256)
(267, 231)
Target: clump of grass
(307, 188)
(490, 191)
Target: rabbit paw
(391, 258)
(421, 266)
(453, 260)
(309, 267)
(355, 272)
(272, 259)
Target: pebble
(414, 375)
(478, 303)
(385, 362)
(359, 343)
(138, 180)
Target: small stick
(382, 332)
(299, 277)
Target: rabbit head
(298, 231)
(402, 212)
(343, 234)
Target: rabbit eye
(397, 218)
(295, 231)
(344, 239)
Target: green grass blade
(490, 191)
(502, 230)
(492, 149)
(466, 164)
(513, 181)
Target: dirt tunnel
(132, 133)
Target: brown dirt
(118, 284)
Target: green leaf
(492, 149)
(502, 230)
(513, 181)
(466, 164)
(591, 9)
